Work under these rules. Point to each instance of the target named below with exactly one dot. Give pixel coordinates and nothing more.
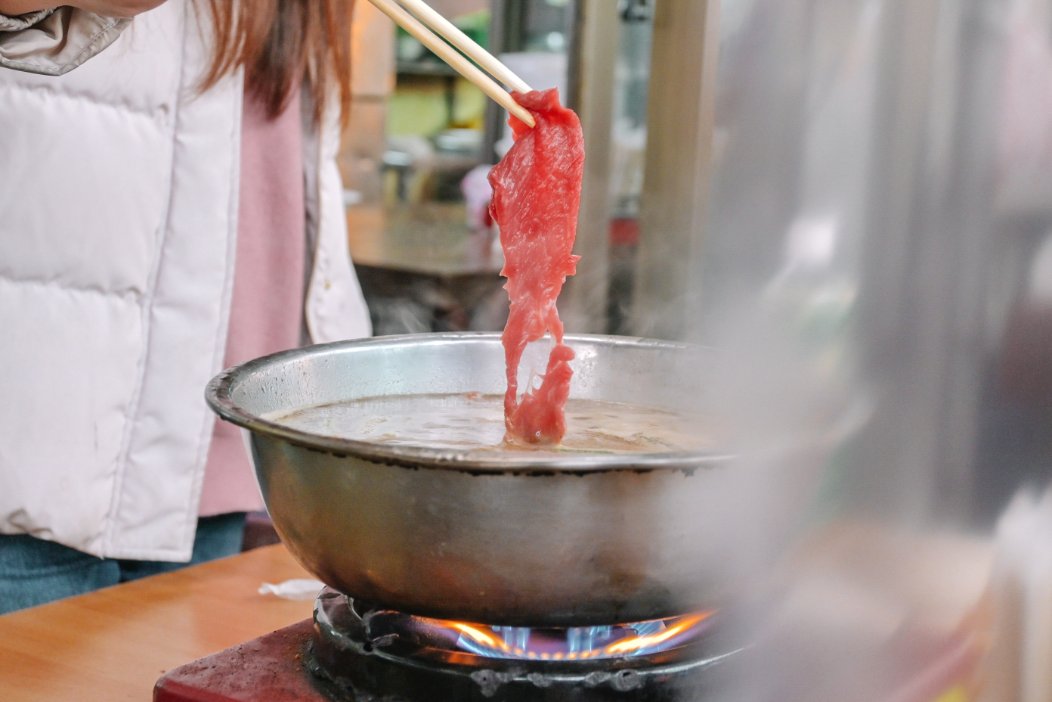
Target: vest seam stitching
(73, 288)
(49, 92)
(106, 536)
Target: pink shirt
(266, 311)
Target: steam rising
(862, 266)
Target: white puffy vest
(118, 215)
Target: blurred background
(421, 140)
(852, 201)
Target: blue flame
(588, 642)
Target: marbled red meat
(536, 195)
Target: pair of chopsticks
(425, 15)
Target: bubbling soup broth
(475, 423)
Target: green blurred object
(429, 96)
(474, 24)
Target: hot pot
(535, 540)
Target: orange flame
(480, 634)
(637, 643)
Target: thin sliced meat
(536, 195)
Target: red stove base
(267, 669)
(271, 669)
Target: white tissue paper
(295, 589)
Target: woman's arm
(107, 8)
(39, 37)
(22, 7)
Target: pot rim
(218, 397)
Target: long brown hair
(282, 42)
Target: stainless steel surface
(551, 541)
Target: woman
(197, 136)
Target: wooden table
(421, 269)
(427, 238)
(113, 644)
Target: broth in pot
(472, 422)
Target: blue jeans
(34, 571)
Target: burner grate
(377, 655)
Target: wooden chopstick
(460, 64)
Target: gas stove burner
(373, 654)
(547, 644)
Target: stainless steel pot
(555, 540)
